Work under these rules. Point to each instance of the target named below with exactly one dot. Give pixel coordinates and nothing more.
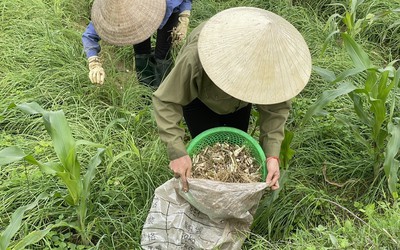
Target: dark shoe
(145, 69)
(163, 67)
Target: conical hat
(254, 55)
(127, 22)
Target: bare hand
(273, 173)
(182, 168)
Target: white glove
(96, 71)
(179, 32)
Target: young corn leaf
(383, 88)
(287, 152)
(359, 108)
(16, 221)
(327, 96)
(68, 169)
(90, 173)
(64, 145)
(31, 108)
(32, 238)
(370, 81)
(88, 143)
(13, 154)
(57, 127)
(87, 179)
(391, 164)
(74, 187)
(325, 74)
(347, 73)
(357, 54)
(348, 21)
(37, 235)
(326, 42)
(10, 155)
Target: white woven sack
(211, 215)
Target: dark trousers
(199, 118)
(163, 40)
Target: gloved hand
(179, 32)
(96, 71)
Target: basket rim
(248, 137)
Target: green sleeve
(177, 90)
(272, 126)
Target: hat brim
(254, 55)
(127, 22)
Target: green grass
(326, 202)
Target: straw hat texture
(127, 22)
(254, 55)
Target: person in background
(133, 22)
(239, 57)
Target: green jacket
(188, 81)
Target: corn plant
(350, 21)
(286, 153)
(68, 169)
(374, 103)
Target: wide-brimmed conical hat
(254, 55)
(124, 22)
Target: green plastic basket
(231, 136)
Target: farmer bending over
(239, 57)
(127, 22)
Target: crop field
(79, 163)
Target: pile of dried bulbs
(227, 163)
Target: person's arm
(177, 90)
(186, 5)
(272, 132)
(90, 41)
(91, 46)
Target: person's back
(123, 22)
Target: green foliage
(370, 102)
(379, 230)
(287, 152)
(62, 241)
(68, 169)
(391, 164)
(353, 21)
(15, 223)
(43, 61)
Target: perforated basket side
(231, 136)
